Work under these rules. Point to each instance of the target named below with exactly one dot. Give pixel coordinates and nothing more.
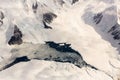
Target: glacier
(89, 28)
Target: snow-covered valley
(60, 40)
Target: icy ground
(92, 27)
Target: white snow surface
(74, 25)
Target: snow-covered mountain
(59, 40)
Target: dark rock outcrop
(48, 17)
(97, 18)
(61, 2)
(51, 51)
(62, 47)
(68, 54)
(34, 7)
(17, 37)
(1, 22)
(1, 15)
(115, 31)
(17, 60)
(74, 1)
(1, 18)
(46, 26)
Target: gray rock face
(17, 36)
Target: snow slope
(74, 24)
